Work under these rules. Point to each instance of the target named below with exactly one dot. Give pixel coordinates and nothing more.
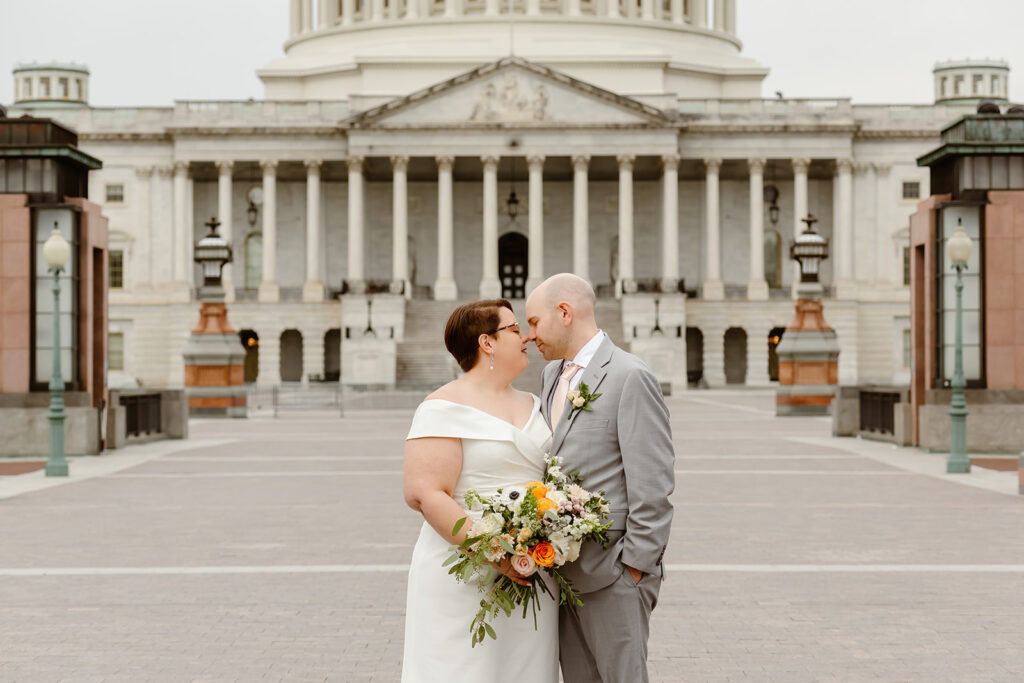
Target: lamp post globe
(958, 249)
(57, 252)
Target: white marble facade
(410, 179)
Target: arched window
(253, 260)
(773, 258)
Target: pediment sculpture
(510, 102)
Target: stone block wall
(15, 296)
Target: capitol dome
(375, 48)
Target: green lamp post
(958, 249)
(57, 251)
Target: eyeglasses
(511, 326)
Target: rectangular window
(43, 341)
(26, 88)
(116, 258)
(115, 351)
(994, 91)
(906, 349)
(115, 193)
(944, 87)
(78, 89)
(62, 88)
(972, 303)
(44, 87)
(906, 266)
(979, 85)
(912, 189)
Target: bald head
(571, 289)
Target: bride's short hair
(467, 323)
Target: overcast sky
(152, 52)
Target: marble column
(800, 210)
(312, 353)
(535, 266)
(757, 287)
(269, 291)
(864, 217)
(269, 372)
(395, 10)
(348, 12)
(142, 249)
(574, 8)
(295, 17)
(676, 11)
(451, 8)
(224, 169)
(670, 223)
(412, 9)
(180, 234)
(713, 360)
(400, 225)
(647, 9)
(886, 255)
(532, 7)
(612, 9)
(627, 278)
(730, 16)
(313, 288)
(713, 289)
(328, 13)
(377, 11)
(356, 254)
(307, 16)
(161, 217)
(845, 287)
(490, 285)
(445, 288)
(757, 357)
(580, 217)
(719, 15)
(699, 13)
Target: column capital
(713, 164)
(268, 165)
(580, 162)
(670, 162)
(143, 172)
(445, 163)
(224, 167)
(756, 165)
(862, 167)
(490, 161)
(165, 171)
(882, 167)
(355, 163)
(313, 165)
(625, 161)
(844, 165)
(534, 160)
(801, 165)
(399, 163)
(181, 167)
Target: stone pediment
(512, 93)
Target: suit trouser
(605, 641)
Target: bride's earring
(492, 360)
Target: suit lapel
(547, 386)
(593, 376)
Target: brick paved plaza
(276, 549)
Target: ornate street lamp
(809, 250)
(212, 253)
(958, 249)
(255, 197)
(56, 251)
(771, 198)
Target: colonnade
(305, 18)
(444, 286)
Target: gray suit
(623, 447)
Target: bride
(475, 432)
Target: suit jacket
(623, 447)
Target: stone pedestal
(808, 361)
(369, 362)
(214, 365)
(657, 335)
(371, 328)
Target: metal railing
(142, 414)
(876, 411)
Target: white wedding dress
(495, 454)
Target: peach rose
(524, 564)
(543, 505)
(544, 554)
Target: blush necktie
(558, 402)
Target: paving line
(402, 568)
(282, 458)
(730, 406)
(375, 473)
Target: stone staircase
(425, 364)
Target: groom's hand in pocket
(505, 567)
(635, 573)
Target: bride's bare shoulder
(448, 392)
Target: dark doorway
(291, 356)
(774, 337)
(735, 355)
(512, 264)
(332, 355)
(694, 356)
(251, 342)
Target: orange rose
(543, 554)
(543, 505)
(538, 489)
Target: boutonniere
(580, 399)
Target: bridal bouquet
(539, 526)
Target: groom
(623, 446)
